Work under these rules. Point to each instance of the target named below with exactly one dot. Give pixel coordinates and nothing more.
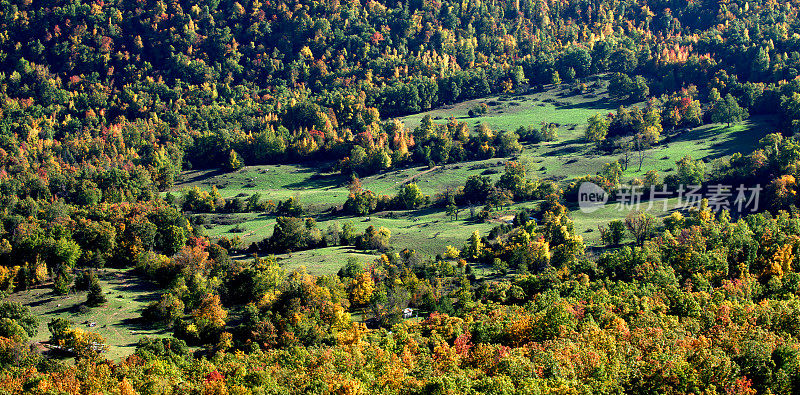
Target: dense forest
(104, 104)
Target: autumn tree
(597, 129)
(640, 225)
(208, 319)
(361, 288)
(410, 196)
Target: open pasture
(117, 321)
(429, 231)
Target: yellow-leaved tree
(361, 289)
(209, 316)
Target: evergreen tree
(95, 297)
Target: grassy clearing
(277, 182)
(117, 321)
(566, 158)
(323, 261)
(429, 231)
(319, 191)
(586, 224)
(426, 231)
(574, 158)
(555, 105)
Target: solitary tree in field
(549, 132)
(642, 143)
(613, 234)
(612, 172)
(95, 297)
(625, 145)
(410, 196)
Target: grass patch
(324, 261)
(117, 321)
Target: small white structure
(408, 312)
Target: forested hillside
(235, 180)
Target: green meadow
(429, 231)
(118, 321)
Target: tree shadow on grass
(135, 322)
(425, 212)
(601, 104)
(137, 325)
(200, 175)
(728, 143)
(129, 281)
(353, 250)
(73, 309)
(40, 302)
(317, 181)
(146, 298)
(568, 147)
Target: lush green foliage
(104, 104)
